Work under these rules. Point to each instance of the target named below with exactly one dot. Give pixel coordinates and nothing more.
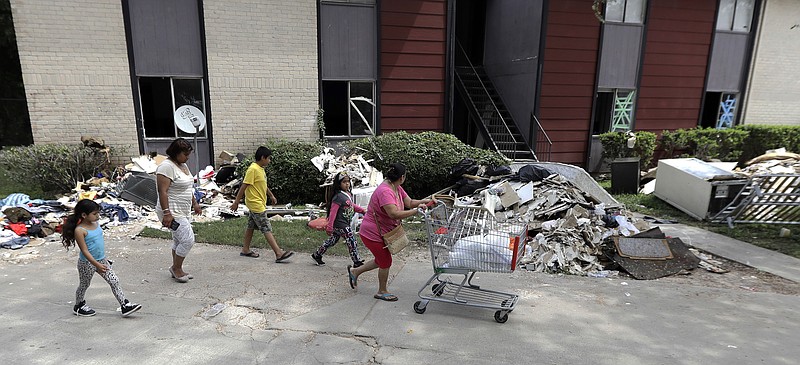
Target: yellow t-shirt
(255, 195)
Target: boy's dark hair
(262, 152)
(396, 171)
(84, 206)
(180, 145)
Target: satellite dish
(189, 119)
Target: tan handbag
(396, 239)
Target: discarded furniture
(696, 187)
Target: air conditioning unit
(696, 187)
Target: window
(613, 111)
(349, 109)
(735, 15)
(625, 11)
(160, 97)
(719, 110)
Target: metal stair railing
(547, 143)
(493, 109)
(768, 198)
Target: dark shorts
(260, 221)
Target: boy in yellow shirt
(255, 191)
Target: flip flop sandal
(182, 279)
(386, 296)
(252, 254)
(352, 278)
(285, 256)
(171, 273)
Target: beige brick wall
(75, 68)
(262, 66)
(262, 70)
(774, 90)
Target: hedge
(428, 157)
(54, 168)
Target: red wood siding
(413, 61)
(679, 34)
(568, 78)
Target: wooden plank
(400, 59)
(412, 73)
(669, 70)
(568, 90)
(565, 113)
(412, 111)
(658, 81)
(407, 98)
(572, 43)
(556, 66)
(417, 47)
(416, 34)
(412, 85)
(436, 21)
(577, 31)
(415, 6)
(565, 125)
(389, 124)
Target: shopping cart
(464, 241)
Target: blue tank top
(95, 244)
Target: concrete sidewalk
(762, 259)
(298, 313)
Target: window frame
(625, 15)
(730, 22)
(177, 133)
(350, 111)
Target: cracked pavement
(299, 313)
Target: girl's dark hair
(337, 187)
(85, 206)
(396, 171)
(180, 145)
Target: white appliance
(696, 187)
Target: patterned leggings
(86, 271)
(349, 239)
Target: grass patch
(291, 235)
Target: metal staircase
(495, 123)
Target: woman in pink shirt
(389, 204)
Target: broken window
(160, 97)
(348, 108)
(735, 15)
(613, 111)
(625, 11)
(719, 110)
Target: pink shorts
(382, 255)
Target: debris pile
(778, 162)
(568, 226)
(128, 196)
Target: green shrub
(766, 137)
(673, 141)
(615, 145)
(291, 176)
(54, 168)
(428, 157)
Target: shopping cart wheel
(501, 316)
(419, 307)
(437, 289)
